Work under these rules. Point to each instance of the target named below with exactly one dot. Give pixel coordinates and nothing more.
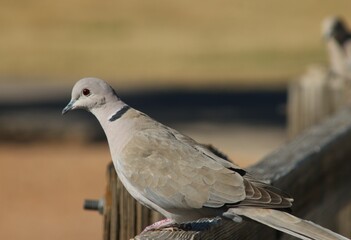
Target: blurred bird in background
(338, 39)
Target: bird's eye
(86, 92)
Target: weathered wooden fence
(314, 168)
(314, 96)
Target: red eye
(86, 92)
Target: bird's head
(335, 27)
(88, 94)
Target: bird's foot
(165, 224)
(198, 225)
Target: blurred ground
(42, 188)
(163, 43)
(43, 185)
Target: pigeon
(183, 180)
(338, 40)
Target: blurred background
(215, 70)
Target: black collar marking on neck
(119, 113)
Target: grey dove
(338, 40)
(178, 177)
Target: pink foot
(163, 224)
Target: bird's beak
(69, 107)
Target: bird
(183, 180)
(338, 40)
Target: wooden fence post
(314, 96)
(123, 216)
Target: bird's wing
(257, 193)
(171, 170)
(206, 151)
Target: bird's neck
(112, 118)
(106, 112)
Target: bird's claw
(165, 224)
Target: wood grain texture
(314, 96)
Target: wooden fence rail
(314, 168)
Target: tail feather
(287, 223)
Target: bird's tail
(287, 223)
